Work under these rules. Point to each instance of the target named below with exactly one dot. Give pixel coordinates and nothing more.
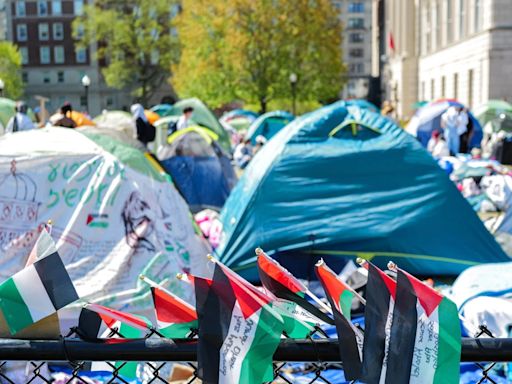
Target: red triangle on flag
(428, 297)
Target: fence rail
(290, 350)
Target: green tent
(204, 117)
(343, 182)
(492, 111)
(7, 110)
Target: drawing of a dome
(18, 208)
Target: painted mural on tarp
(113, 215)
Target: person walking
(450, 123)
(145, 131)
(20, 121)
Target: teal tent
(268, 124)
(204, 117)
(343, 182)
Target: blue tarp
(269, 124)
(372, 192)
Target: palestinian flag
(350, 338)
(378, 314)
(174, 316)
(298, 323)
(425, 341)
(238, 330)
(284, 285)
(98, 322)
(37, 291)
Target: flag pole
(354, 292)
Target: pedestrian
(184, 120)
(63, 118)
(243, 153)
(437, 146)
(450, 123)
(145, 131)
(465, 130)
(20, 121)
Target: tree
(247, 49)
(135, 40)
(10, 70)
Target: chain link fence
(157, 360)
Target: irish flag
(37, 291)
(378, 314)
(238, 330)
(175, 317)
(284, 285)
(425, 340)
(350, 338)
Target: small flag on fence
(175, 317)
(425, 340)
(350, 338)
(37, 291)
(238, 330)
(380, 301)
(284, 285)
(96, 321)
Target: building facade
(3, 21)
(356, 17)
(457, 49)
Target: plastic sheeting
(372, 192)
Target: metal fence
(68, 360)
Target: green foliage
(136, 39)
(10, 65)
(247, 49)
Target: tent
(239, 119)
(496, 112)
(268, 124)
(362, 103)
(7, 110)
(200, 170)
(343, 182)
(115, 215)
(204, 117)
(161, 109)
(428, 118)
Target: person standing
(464, 129)
(450, 123)
(184, 120)
(145, 131)
(20, 121)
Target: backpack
(145, 131)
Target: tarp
(325, 187)
(114, 214)
(428, 118)
(200, 170)
(204, 117)
(269, 124)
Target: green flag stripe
(448, 354)
(16, 313)
(346, 303)
(178, 330)
(257, 366)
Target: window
(46, 77)
(455, 85)
(20, 8)
(81, 55)
(44, 55)
(58, 52)
(110, 101)
(60, 76)
(423, 95)
(356, 22)
(356, 68)
(462, 18)
(356, 7)
(24, 77)
(470, 88)
(24, 55)
(80, 31)
(449, 21)
(83, 101)
(78, 7)
(478, 16)
(443, 86)
(57, 7)
(356, 37)
(58, 31)
(44, 31)
(21, 32)
(42, 8)
(432, 89)
(356, 52)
